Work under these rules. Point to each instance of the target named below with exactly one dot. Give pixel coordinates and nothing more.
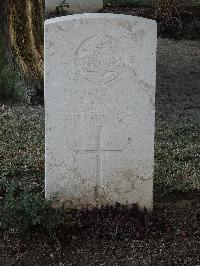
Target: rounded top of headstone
(150, 22)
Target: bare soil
(170, 235)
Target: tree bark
(22, 28)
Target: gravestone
(74, 6)
(100, 72)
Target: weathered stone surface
(100, 72)
(74, 6)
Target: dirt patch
(114, 236)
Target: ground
(170, 235)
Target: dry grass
(166, 10)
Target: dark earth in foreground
(170, 235)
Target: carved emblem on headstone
(97, 59)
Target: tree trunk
(22, 28)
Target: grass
(22, 203)
(23, 209)
(177, 156)
(128, 2)
(149, 2)
(177, 150)
(22, 145)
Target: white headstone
(100, 72)
(74, 6)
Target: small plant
(22, 210)
(61, 8)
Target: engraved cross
(99, 152)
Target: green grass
(22, 203)
(177, 156)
